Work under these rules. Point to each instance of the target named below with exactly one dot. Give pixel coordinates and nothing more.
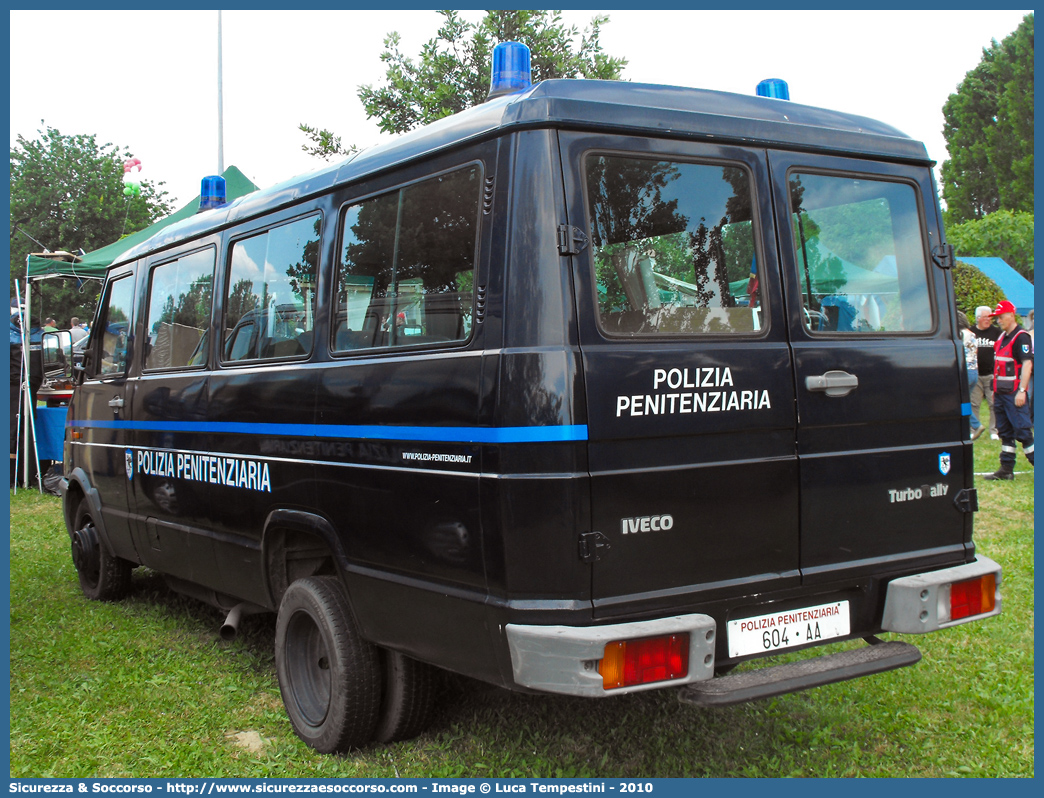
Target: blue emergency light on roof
(511, 71)
(211, 192)
(774, 87)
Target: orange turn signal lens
(974, 597)
(654, 659)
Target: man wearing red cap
(1012, 370)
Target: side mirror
(57, 355)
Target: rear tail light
(655, 659)
(973, 597)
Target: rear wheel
(408, 700)
(103, 577)
(329, 676)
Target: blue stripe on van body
(559, 434)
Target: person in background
(986, 335)
(50, 325)
(971, 362)
(1012, 371)
(35, 376)
(76, 330)
(16, 374)
(1033, 347)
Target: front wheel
(330, 678)
(103, 577)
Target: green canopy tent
(92, 266)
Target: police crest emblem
(944, 463)
(128, 459)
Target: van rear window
(406, 276)
(860, 255)
(673, 247)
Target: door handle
(833, 383)
(116, 402)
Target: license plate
(787, 629)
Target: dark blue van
(594, 388)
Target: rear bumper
(920, 603)
(564, 659)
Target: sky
(147, 80)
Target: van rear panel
(728, 472)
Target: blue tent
(1017, 289)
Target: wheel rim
(85, 553)
(308, 666)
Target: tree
(973, 289)
(1003, 234)
(989, 132)
(454, 68)
(67, 193)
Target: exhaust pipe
(230, 628)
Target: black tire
(103, 577)
(329, 676)
(409, 697)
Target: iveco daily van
(594, 388)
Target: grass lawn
(145, 688)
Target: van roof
(603, 105)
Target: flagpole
(221, 128)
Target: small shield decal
(944, 463)
(128, 458)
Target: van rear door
(882, 443)
(688, 375)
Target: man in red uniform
(1012, 370)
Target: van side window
(270, 295)
(116, 327)
(181, 293)
(860, 255)
(673, 247)
(407, 268)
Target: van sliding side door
(172, 449)
(688, 373)
(881, 438)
